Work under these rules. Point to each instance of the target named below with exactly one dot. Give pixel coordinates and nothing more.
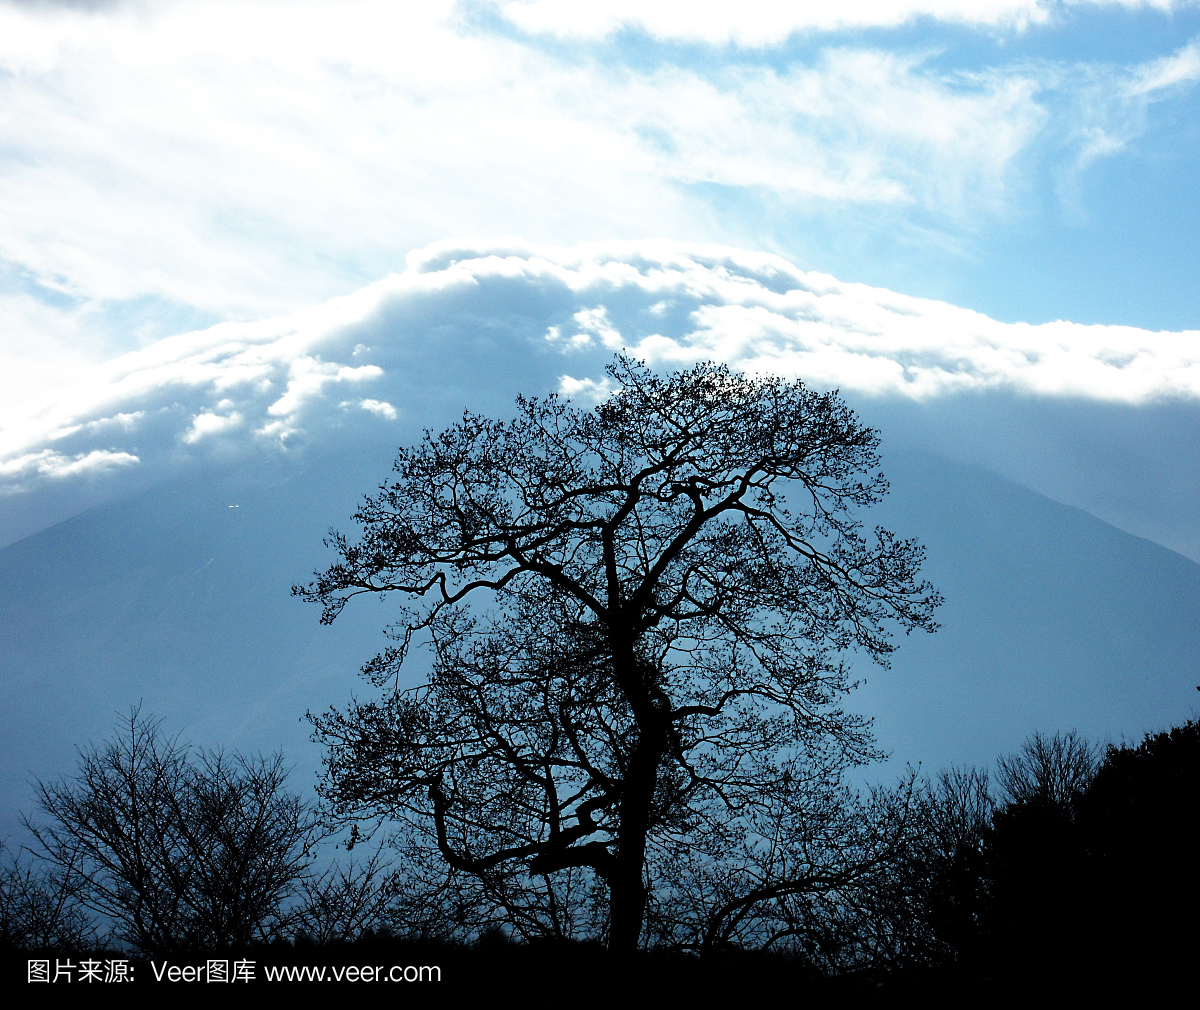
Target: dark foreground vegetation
(1069, 868)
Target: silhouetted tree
(1090, 864)
(1035, 862)
(1138, 823)
(342, 903)
(833, 849)
(1051, 771)
(922, 907)
(178, 851)
(648, 688)
(40, 907)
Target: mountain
(177, 598)
(1053, 620)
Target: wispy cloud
(1113, 103)
(858, 127)
(269, 382)
(768, 22)
(212, 382)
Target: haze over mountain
(175, 600)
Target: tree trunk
(627, 890)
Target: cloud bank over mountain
(668, 303)
(472, 323)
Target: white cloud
(586, 391)
(47, 463)
(244, 156)
(879, 342)
(769, 22)
(237, 160)
(1105, 108)
(591, 323)
(752, 22)
(858, 127)
(671, 303)
(379, 407)
(1180, 68)
(272, 371)
(307, 378)
(208, 423)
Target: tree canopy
(176, 851)
(638, 615)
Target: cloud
(208, 423)
(1104, 109)
(593, 326)
(859, 126)
(1180, 68)
(307, 378)
(379, 407)
(172, 165)
(763, 315)
(752, 22)
(768, 22)
(505, 307)
(47, 463)
(270, 371)
(586, 391)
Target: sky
(975, 217)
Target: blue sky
(932, 174)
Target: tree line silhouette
(1068, 864)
